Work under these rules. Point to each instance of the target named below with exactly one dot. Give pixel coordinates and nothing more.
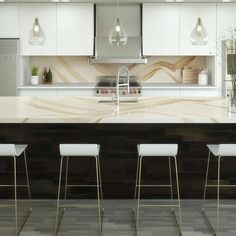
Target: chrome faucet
(118, 85)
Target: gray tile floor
(118, 220)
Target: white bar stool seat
(219, 151)
(157, 150)
(15, 151)
(80, 150)
(12, 149)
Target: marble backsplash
(67, 69)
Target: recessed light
(2, 0)
(226, 0)
(170, 0)
(179, 0)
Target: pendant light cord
(118, 10)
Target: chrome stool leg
(18, 231)
(215, 231)
(99, 194)
(138, 193)
(218, 196)
(66, 180)
(15, 151)
(100, 177)
(57, 225)
(206, 180)
(27, 175)
(15, 192)
(179, 224)
(171, 185)
(136, 179)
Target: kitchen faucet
(118, 85)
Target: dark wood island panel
(118, 157)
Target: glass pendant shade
(199, 35)
(37, 35)
(117, 36)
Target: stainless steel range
(105, 89)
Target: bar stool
(78, 150)
(15, 151)
(157, 150)
(218, 151)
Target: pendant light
(37, 35)
(199, 35)
(117, 36)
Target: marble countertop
(87, 110)
(59, 86)
(92, 86)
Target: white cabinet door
(37, 92)
(47, 15)
(76, 92)
(226, 18)
(75, 29)
(199, 92)
(189, 14)
(9, 20)
(160, 29)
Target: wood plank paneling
(118, 157)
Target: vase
(35, 80)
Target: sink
(122, 99)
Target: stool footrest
(7, 205)
(82, 185)
(78, 205)
(154, 185)
(146, 205)
(12, 185)
(227, 205)
(221, 185)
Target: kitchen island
(45, 122)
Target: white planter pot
(35, 80)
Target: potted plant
(34, 75)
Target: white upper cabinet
(75, 29)
(9, 20)
(47, 15)
(226, 18)
(189, 14)
(160, 29)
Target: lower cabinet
(37, 92)
(75, 92)
(146, 92)
(206, 92)
(180, 92)
(55, 92)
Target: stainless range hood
(130, 15)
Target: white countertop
(176, 86)
(59, 86)
(87, 110)
(92, 86)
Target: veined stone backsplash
(77, 69)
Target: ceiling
(112, 1)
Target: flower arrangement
(228, 40)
